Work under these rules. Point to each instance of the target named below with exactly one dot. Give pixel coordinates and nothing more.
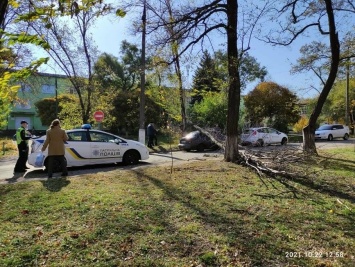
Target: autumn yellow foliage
(7, 91)
(302, 122)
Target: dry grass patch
(8, 147)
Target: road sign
(99, 115)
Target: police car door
(78, 152)
(275, 136)
(104, 149)
(265, 135)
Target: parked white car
(331, 131)
(88, 147)
(263, 136)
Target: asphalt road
(175, 158)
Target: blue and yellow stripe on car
(74, 153)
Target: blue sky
(109, 33)
(108, 36)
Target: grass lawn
(207, 213)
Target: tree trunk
(175, 52)
(308, 132)
(3, 8)
(181, 93)
(309, 145)
(231, 151)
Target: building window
(303, 109)
(48, 89)
(25, 88)
(23, 104)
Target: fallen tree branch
(220, 143)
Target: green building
(36, 87)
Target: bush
(211, 111)
(8, 146)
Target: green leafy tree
(108, 73)
(194, 25)
(273, 103)
(167, 98)
(125, 110)
(46, 110)
(15, 61)
(131, 63)
(65, 26)
(250, 70)
(29, 11)
(337, 98)
(5, 108)
(68, 110)
(73, 51)
(165, 15)
(210, 111)
(314, 18)
(334, 107)
(104, 102)
(113, 76)
(205, 78)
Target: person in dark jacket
(152, 134)
(22, 137)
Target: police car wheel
(131, 157)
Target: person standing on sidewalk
(151, 132)
(55, 138)
(22, 137)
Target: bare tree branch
(295, 35)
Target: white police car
(86, 146)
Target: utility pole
(141, 137)
(56, 97)
(347, 93)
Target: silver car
(263, 136)
(331, 131)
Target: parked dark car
(196, 141)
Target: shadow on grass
(14, 178)
(55, 184)
(81, 170)
(156, 222)
(249, 233)
(341, 162)
(331, 185)
(331, 188)
(325, 189)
